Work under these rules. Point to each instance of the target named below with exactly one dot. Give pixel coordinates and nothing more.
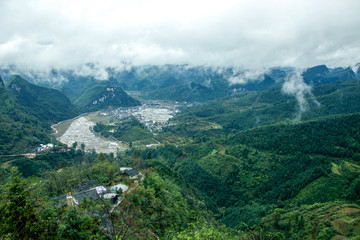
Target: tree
(74, 145)
(78, 226)
(19, 218)
(82, 146)
(101, 157)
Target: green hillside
(251, 172)
(333, 220)
(250, 109)
(104, 95)
(47, 105)
(19, 131)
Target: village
(152, 115)
(108, 196)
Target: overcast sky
(244, 33)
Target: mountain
(321, 74)
(47, 104)
(104, 95)
(19, 131)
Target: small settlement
(153, 116)
(44, 147)
(92, 192)
(113, 195)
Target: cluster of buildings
(126, 112)
(151, 124)
(44, 147)
(92, 192)
(99, 193)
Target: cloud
(294, 85)
(242, 77)
(95, 71)
(44, 34)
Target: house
(132, 173)
(119, 187)
(122, 169)
(94, 194)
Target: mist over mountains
(183, 82)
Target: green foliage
(127, 130)
(333, 136)
(101, 157)
(19, 219)
(317, 221)
(251, 109)
(153, 209)
(202, 230)
(269, 165)
(46, 104)
(76, 225)
(19, 131)
(353, 192)
(45, 162)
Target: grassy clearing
(335, 168)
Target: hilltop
(103, 96)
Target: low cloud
(243, 77)
(294, 85)
(95, 71)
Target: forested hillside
(250, 109)
(19, 131)
(48, 105)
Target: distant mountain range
(178, 82)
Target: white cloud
(243, 77)
(294, 85)
(45, 34)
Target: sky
(251, 34)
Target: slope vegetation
(19, 131)
(46, 104)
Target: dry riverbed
(80, 131)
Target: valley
(80, 129)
